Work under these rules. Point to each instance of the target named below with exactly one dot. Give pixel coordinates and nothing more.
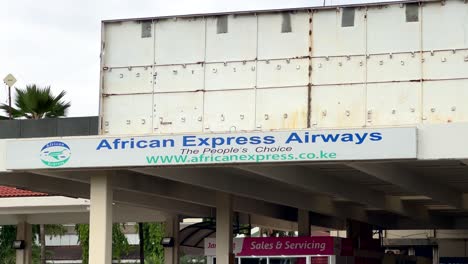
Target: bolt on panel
(445, 64)
(287, 72)
(394, 104)
(128, 80)
(337, 70)
(394, 67)
(178, 112)
(236, 42)
(282, 108)
(125, 45)
(231, 75)
(445, 101)
(274, 42)
(231, 110)
(127, 114)
(337, 106)
(177, 78)
(180, 40)
(331, 38)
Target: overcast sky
(56, 42)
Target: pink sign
(277, 246)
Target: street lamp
(9, 80)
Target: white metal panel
(229, 110)
(274, 112)
(388, 31)
(396, 67)
(445, 26)
(338, 106)
(273, 44)
(123, 80)
(127, 114)
(445, 101)
(180, 40)
(336, 70)
(237, 44)
(174, 78)
(445, 64)
(331, 39)
(288, 72)
(125, 46)
(178, 112)
(393, 104)
(231, 75)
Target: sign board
(229, 148)
(279, 246)
(9, 80)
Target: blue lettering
(360, 138)
(104, 144)
(376, 136)
(189, 141)
(294, 137)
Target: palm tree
(37, 102)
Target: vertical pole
(100, 228)
(224, 253)
(171, 254)
(9, 102)
(24, 232)
(141, 237)
(303, 222)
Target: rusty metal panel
(274, 112)
(394, 104)
(126, 38)
(180, 40)
(238, 43)
(176, 78)
(127, 114)
(338, 70)
(445, 64)
(385, 25)
(445, 101)
(232, 110)
(128, 80)
(178, 112)
(445, 26)
(230, 75)
(287, 72)
(338, 106)
(394, 67)
(330, 38)
(273, 43)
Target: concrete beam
(412, 183)
(316, 181)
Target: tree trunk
(142, 243)
(42, 241)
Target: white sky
(56, 42)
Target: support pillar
(171, 254)
(360, 233)
(24, 232)
(100, 222)
(303, 222)
(224, 215)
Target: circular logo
(55, 154)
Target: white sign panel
(229, 148)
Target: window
(146, 29)
(286, 23)
(412, 12)
(222, 25)
(347, 17)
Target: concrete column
(24, 232)
(224, 217)
(100, 228)
(303, 222)
(171, 254)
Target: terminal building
(348, 117)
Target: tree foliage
(120, 246)
(35, 102)
(7, 236)
(153, 234)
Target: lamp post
(9, 80)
